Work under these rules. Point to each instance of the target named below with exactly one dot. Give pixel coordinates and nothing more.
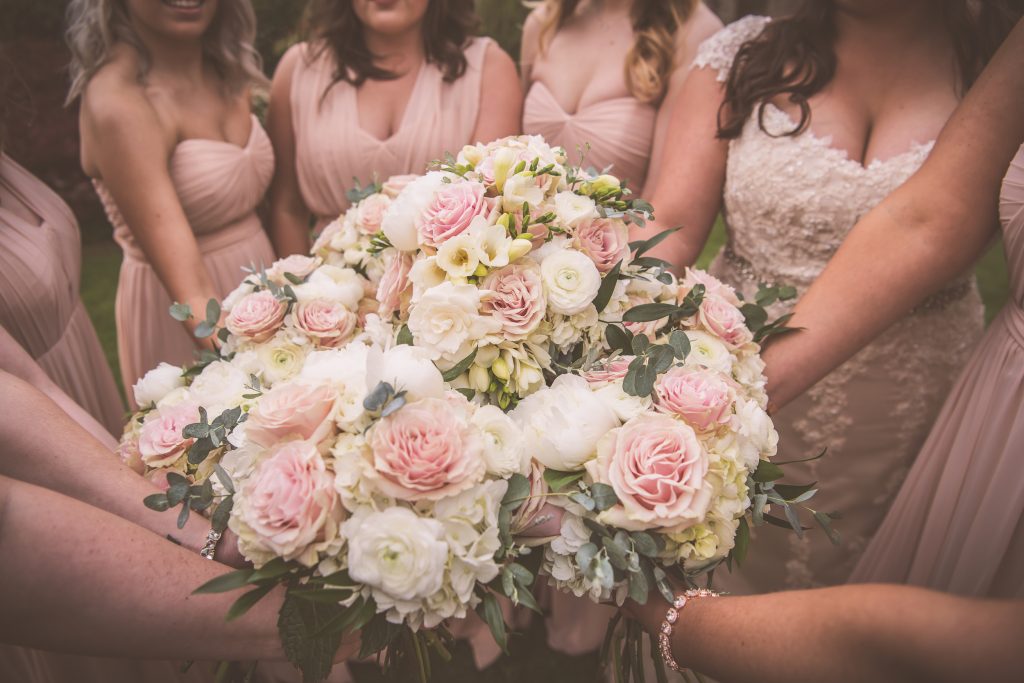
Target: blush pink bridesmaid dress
(332, 151)
(40, 268)
(220, 184)
(958, 522)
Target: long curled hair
(332, 26)
(651, 60)
(795, 57)
(95, 26)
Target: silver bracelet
(668, 626)
(210, 548)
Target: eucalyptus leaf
(617, 553)
(212, 312)
(525, 597)
(467, 392)
(276, 568)
(225, 582)
(558, 480)
(517, 492)
(404, 336)
(199, 450)
(180, 312)
(394, 405)
(603, 495)
(596, 527)
(183, 516)
(618, 338)
(680, 344)
(583, 500)
(662, 357)
(607, 288)
(378, 397)
(638, 587)
(739, 551)
(219, 521)
(794, 520)
(644, 544)
(224, 478)
(586, 554)
(490, 611)
(757, 509)
(789, 491)
(157, 501)
(767, 471)
(639, 344)
(754, 315)
(520, 573)
(176, 492)
(204, 330)
(460, 367)
(825, 522)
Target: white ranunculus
(624, 406)
(398, 554)
(343, 285)
(280, 358)
(459, 256)
(754, 423)
(707, 351)
(345, 370)
(563, 423)
(399, 223)
(504, 449)
(571, 281)
(157, 383)
(572, 209)
(218, 387)
(406, 368)
(447, 319)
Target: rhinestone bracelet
(210, 548)
(667, 626)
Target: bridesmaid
(176, 156)
(380, 89)
(45, 333)
(600, 76)
(797, 128)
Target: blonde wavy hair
(95, 26)
(651, 60)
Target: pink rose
(257, 316)
(605, 241)
(396, 183)
(292, 409)
(712, 286)
(328, 322)
(297, 264)
(607, 372)
(528, 520)
(160, 440)
(371, 213)
(287, 505)
(702, 398)
(452, 209)
(515, 299)
(724, 320)
(426, 451)
(656, 465)
(394, 284)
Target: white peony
(571, 281)
(406, 368)
(157, 383)
(504, 449)
(398, 554)
(447, 319)
(345, 370)
(563, 423)
(624, 406)
(572, 209)
(331, 282)
(218, 387)
(399, 223)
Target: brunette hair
(95, 26)
(795, 57)
(651, 60)
(333, 26)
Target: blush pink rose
(371, 213)
(515, 299)
(160, 440)
(605, 241)
(453, 208)
(394, 284)
(257, 316)
(657, 467)
(292, 410)
(712, 286)
(704, 399)
(724, 320)
(288, 504)
(327, 322)
(297, 264)
(426, 451)
(394, 185)
(607, 372)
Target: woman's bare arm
(501, 98)
(927, 232)
(289, 215)
(846, 634)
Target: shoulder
(719, 51)
(701, 25)
(115, 100)
(534, 21)
(496, 63)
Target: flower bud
(501, 370)
(479, 379)
(520, 248)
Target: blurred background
(43, 136)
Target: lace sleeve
(718, 51)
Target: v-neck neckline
(403, 122)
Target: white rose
(571, 281)
(157, 383)
(280, 358)
(572, 209)
(504, 449)
(447, 319)
(624, 406)
(398, 554)
(343, 285)
(707, 351)
(563, 423)
(218, 387)
(459, 256)
(345, 370)
(406, 368)
(399, 223)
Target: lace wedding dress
(789, 201)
